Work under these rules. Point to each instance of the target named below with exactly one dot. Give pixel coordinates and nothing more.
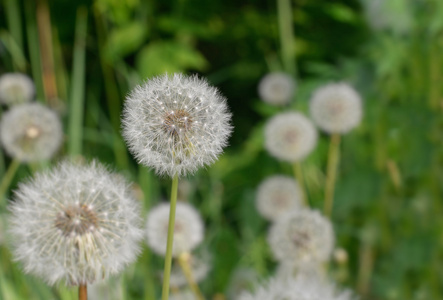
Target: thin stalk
(287, 41)
(7, 178)
(298, 174)
(168, 257)
(13, 17)
(183, 261)
(46, 52)
(366, 266)
(78, 85)
(331, 173)
(83, 292)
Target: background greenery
(84, 56)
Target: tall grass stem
(331, 172)
(8, 177)
(298, 174)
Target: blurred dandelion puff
(301, 237)
(31, 132)
(290, 136)
(336, 108)
(188, 228)
(276, 88)
(75, 223)
(176, 124)
(16, 88)
(298, 288)
(277, 195)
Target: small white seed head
(277, 195)
(59, 230)
(176, 124)
(336, 108)
(188, 229)
(16, 88)
(290, 136)
(31, 132)
(276, 88)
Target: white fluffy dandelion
(188, 229)
(31, 132)
(302, 237)
(176, 124)
(299, 288)
(16, 88)
(276, 88)
(290, 136)
(336, 108)
(277, 195)
(75, 223)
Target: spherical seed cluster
(16, 88)
(276, 88)
(200, 267)
(75, 223)
(176, 124)
(336, 108)
(188, 229)
(31, 132)
(302, 237)
(290, 136)
(299, 288)
(277, 195)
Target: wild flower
(176, 124)
(290, 136)
(277, 195)
(301, 237)
(75, 223)
(336, 108)
(16, 88)
(276, 88)
(31, 132)
(188, 229)
(298, 288)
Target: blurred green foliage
(389, 192)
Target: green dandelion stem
(168, 257)
(9, 175)
(333, 161)
(298, 174)
(183, 261)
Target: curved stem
(183, 261)
(83, 292)
(7, 178)
(168, 257)
(298, 174)
(333, 160)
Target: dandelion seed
(31, 132)
(299, 288)
(176, 124)
(336, 108)
(276, 88)
(276, 196)
(55, 218)
(290, 136)
(301, 237)
(16, 88)
(188, 229)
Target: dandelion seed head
(290, 136)
(188, 229)
(31, 132)
(16, 88)
(277, 195)
(301, 237)
(298, 288)
(336, 108)
(276, 88)
(176, 124)
(76, 224)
